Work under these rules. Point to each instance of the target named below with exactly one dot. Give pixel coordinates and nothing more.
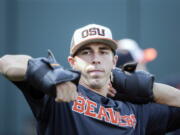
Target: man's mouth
(96, 71)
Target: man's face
(95, 61)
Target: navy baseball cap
(139, 55)
(124, 56)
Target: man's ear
(115, 59)
(71, 61)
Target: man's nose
(96, 59)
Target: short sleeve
(38, 101)
(161, 118)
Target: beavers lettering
(91, 109)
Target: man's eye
(104, 52)
(85, 52)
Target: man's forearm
(165, 94)
(14, 66)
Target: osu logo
(93, 31)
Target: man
(85, 109)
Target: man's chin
(96, 76)
(96, 84)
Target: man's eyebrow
(82, 49)
(85, 48)
(104, 48)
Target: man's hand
(66, 92)
(14, 66)
(111, 91)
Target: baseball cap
(92, 33)
(138, 54)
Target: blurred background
(33, 26)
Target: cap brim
(111, 43)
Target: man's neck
(102, 91)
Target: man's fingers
(111, 91)
(111, 94)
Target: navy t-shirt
(93, 114)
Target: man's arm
(139, 87)
(14, 66)
(165, 94)
(162, 94)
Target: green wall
(33, 26)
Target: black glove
(131, 85)
(44, 73)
